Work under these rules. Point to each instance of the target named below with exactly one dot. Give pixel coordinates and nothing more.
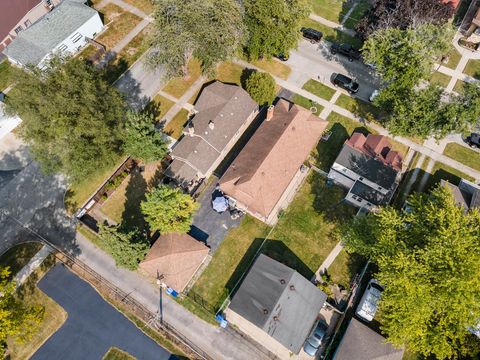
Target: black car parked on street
(347, 50)
(473, 140)
(345, 83)
(311, 34)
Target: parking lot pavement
(314, 60)
(92, 325)
(208, 225)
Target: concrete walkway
(332, 24)
(329, 260)
(382, 131)
(33, 264)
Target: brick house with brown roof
(224, 112)
(369, 168)
(269, 168)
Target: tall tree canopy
(16, 318)
(403, 14)
(141, 139)
(428, 262)
(209, 30)
(127, 248)
(261, 87)
(168, 210)
(72, 118)
(273, 26)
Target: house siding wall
(89, 29)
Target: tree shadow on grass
(132, 217)
(114, 69)
(327, 151)
(246, 73)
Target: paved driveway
(92, 325)
(208, 225)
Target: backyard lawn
(159, 106)
(5, 74)
(319, 89)
(179, 86)
(333, 10)
(175, 127)
(453, 58)
(273, 67)
(358, 107)
(357, 14)
(144, 5)
(307, 104)
(463, 155)
(229, 72)
(117, 354)
(459, 86)
(344, 268)
(440, 79)
(119, 25)
(332, 35)
(473, 68)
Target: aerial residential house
(224, 112)
(16, 16)
(362, 343)
(174, 258)
(265, 175)
(369, 168)
(63, 30)
(466, 194)
(276, 306)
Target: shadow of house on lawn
(132, 217)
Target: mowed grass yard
(119, 23)
(333, 10)
(473, 68)
(117, 354)
(178, 86)
(304, 236)
(463, 154)
(274, 67)
(319, 89)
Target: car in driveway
(311, 34)
(368, 305)
(282, 56)
(345, 83)
(473, 140)
(345, 49)
(316, 338)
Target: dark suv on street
(473, 140)
(345, 83)
(311, 34)
(347, 50)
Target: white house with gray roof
(64, 30)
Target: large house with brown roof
(224, 112)
(369, 168)
(269, 169)
(175, 258)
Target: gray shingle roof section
(369, 194)
(280, 301)
(362, 343)
(35, 42)
(367, 167)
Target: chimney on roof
(211, 125)
(270, 112)
(190, 129)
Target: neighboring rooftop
(362, 343)
(262, 171)
(34, 43)
(11, 12)
(175, 256)
(466, 194)
(279, 301)
(222, 110)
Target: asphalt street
(92, 325)
(311, 61)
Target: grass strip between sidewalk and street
(464, 155)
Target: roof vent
(275, 318)
(221, 115)
(282, 281)
(236, 97)
(231, 114)
(211, 125)
(270, 112)
(206, 132)
(265, 311)
(292, 287)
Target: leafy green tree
(141, 139)
(273, 26)
(208, 30)
(168, 210)
(261, 87)
(127, 248)
(17, 319)
(428, 262)
(72, 118)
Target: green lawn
(344, 268)
(174, 128)
(333, 10)
(440, 79)
(307, 103)
(5, 75)
(273, 67)
(144, 5)
(119, 27)
(19, 256)
(117, 354)
(453, 59)
(332, 35)
(159, 106)
(319, 89)
(444, 172)
(179, 86)
(358, 107)
(302, 239)
(473, 68)
(229, 72)
(463, 154)
(459, 86)
(357, 14)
